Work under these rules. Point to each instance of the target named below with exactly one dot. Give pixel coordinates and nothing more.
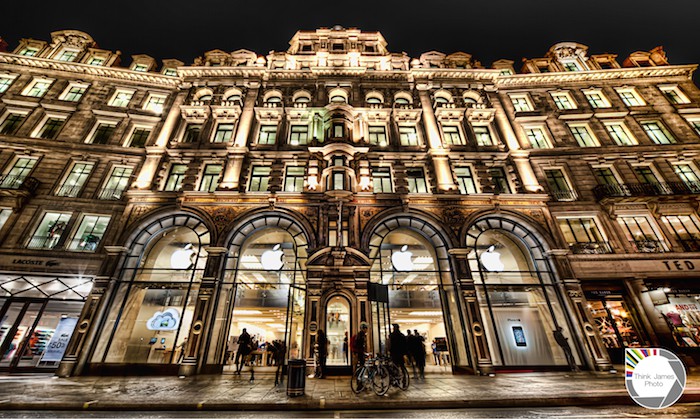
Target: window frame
(77, 226)
(129, 139)
(661, 128)
(625, 129)
(489, 133)
(517, 106)
(416, 179)
(38, 224)
(414, 129)
(36, 80)
(83, 178)
(384, 133)
(115, 97)
(635, 96)
(613, 172)
(461, 140)
(292, 133)
(154, 97)
(72, 85)
(601, 96)
(90, 138)
(591, 237)
(465, 190)
(543, 129)
(263, 130)
(502, 170)
(385, 180)
(681, 97)
(659, 236)
(4, 87)
(39, 129)
(101, 194)
(572, 194)
(262, 178)
(178, 177)
(215, 134)
(565, 95)
(207, 180)
(7, 114)
(295, 178)
(574, 130)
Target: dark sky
(487, 29)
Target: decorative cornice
(597, 75)
(91, 70)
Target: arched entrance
(520, 304)
(410, 256)
(337, 330)
(150, 314)
(265, 287)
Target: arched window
(301, 96)
(338, 99)
(469, 102)
(273, 99)
(233, 95)
(439, 100)
(302, 99)
(338, 96)
(204, 95)
(401, 101)
(374, 100)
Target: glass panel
(8, 322)
(50, 338)
(682, 314)
(24, 342)
(89, 233)
(337, 330)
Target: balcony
(69, 191)
(628, 190)
(109, 194)
(564, 195)
(43, 242)
(648, 246)
(18, 189)
(590, 248)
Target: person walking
(564, 343)
(397, 346)
(345, 347)
(419, 352)
(410, 351)
(322, 342)
(181, 347)
(436, 354)
(358, 346)
(244, 349)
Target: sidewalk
(217, 392)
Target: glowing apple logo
(182, 258)
(492, 260)
(402, 260)
(271, 260)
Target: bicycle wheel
(381, 381)
(404, 378)
(358, 380)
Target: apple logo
(402, 259)
(492, 260)
(271, 260)
(182, 258)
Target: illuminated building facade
(147, 217)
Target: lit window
(192, 133)
(645, 175)
(259, 178)
(139, 137)
(373, 100)
(75, 180)
(4, 216)
(620, 134)
(674, 95)
(96, 61)
(273, 100)
(597, 99)
(73, 93)
(563, 101)
(68, 55)
(688, 175)
(401, 101)
(465, 180)
(170, 72)
(696, 125)
(121, 98)
(299, 135)
(12, 122)
(483, 136)
(29, 52)
(537, 137)
(338, 130)
(521, 103)
(140, 67)
(605, 176)
(155, 103)
(51, 127)
(210, 177)
(268, 135)
(294, 179)
(452, 136)
(440, 101)
(116, 183)
(583, 235)
(5, 82)
(14, 178)
(583, 136)
(499, 180)
(302, 99)
(686, 230)
(89, 233)
(49, 231)
(408, 136)
(37, 88)
(416, 181)
(571, 66)
(377, 135)
(641, 234)
(336, 181)
(175, 178)
(102, 133)
(658, 133)
(381, 180)
(630, 97)
(223, 134)
(338, 99)
(558, 185)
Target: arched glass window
(373, 100)
(469, 102)
(401, 101)
(439, 100)
(302, 99)
(233, 97)
(205, 98)
(338, 99)
(521, 308)
(273, 99)
(156, 294)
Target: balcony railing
(43, 242)
(69, 191)
(86, 244)
(646, 189)
(690, 245)
(109, 194)
(591, 248)
(648, 246)
(21, 183)
(565, 195)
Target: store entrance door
(338, 331)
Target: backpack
(353, 344)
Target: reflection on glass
(337, 331)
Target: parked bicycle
(391, 373)
(373, 374)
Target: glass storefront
(519, 303)
(338, 331)
(150, 319)
(682, 314)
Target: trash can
(296, 379)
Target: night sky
(488, 30)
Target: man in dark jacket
(397, 346)
(244, 342)
(419, 353)
(358, 345)
(564, 343)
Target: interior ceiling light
(425, 313)
(246, 312)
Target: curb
(321, 405)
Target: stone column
(236, 154)
(481, 356)
(144, 180)
(93, 312)
(437, 152)
(194, 357)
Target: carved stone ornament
(139, 211)
(222, 216)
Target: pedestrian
(345, 347)
(410, 350)
(419, 354)
(322, 342)
(564, 343)
(358, 346)
(397, 346)
(244, 349)
(182, 348)
(280, 352)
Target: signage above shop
(625, 268)
(80, 263)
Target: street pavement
(227, 392)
